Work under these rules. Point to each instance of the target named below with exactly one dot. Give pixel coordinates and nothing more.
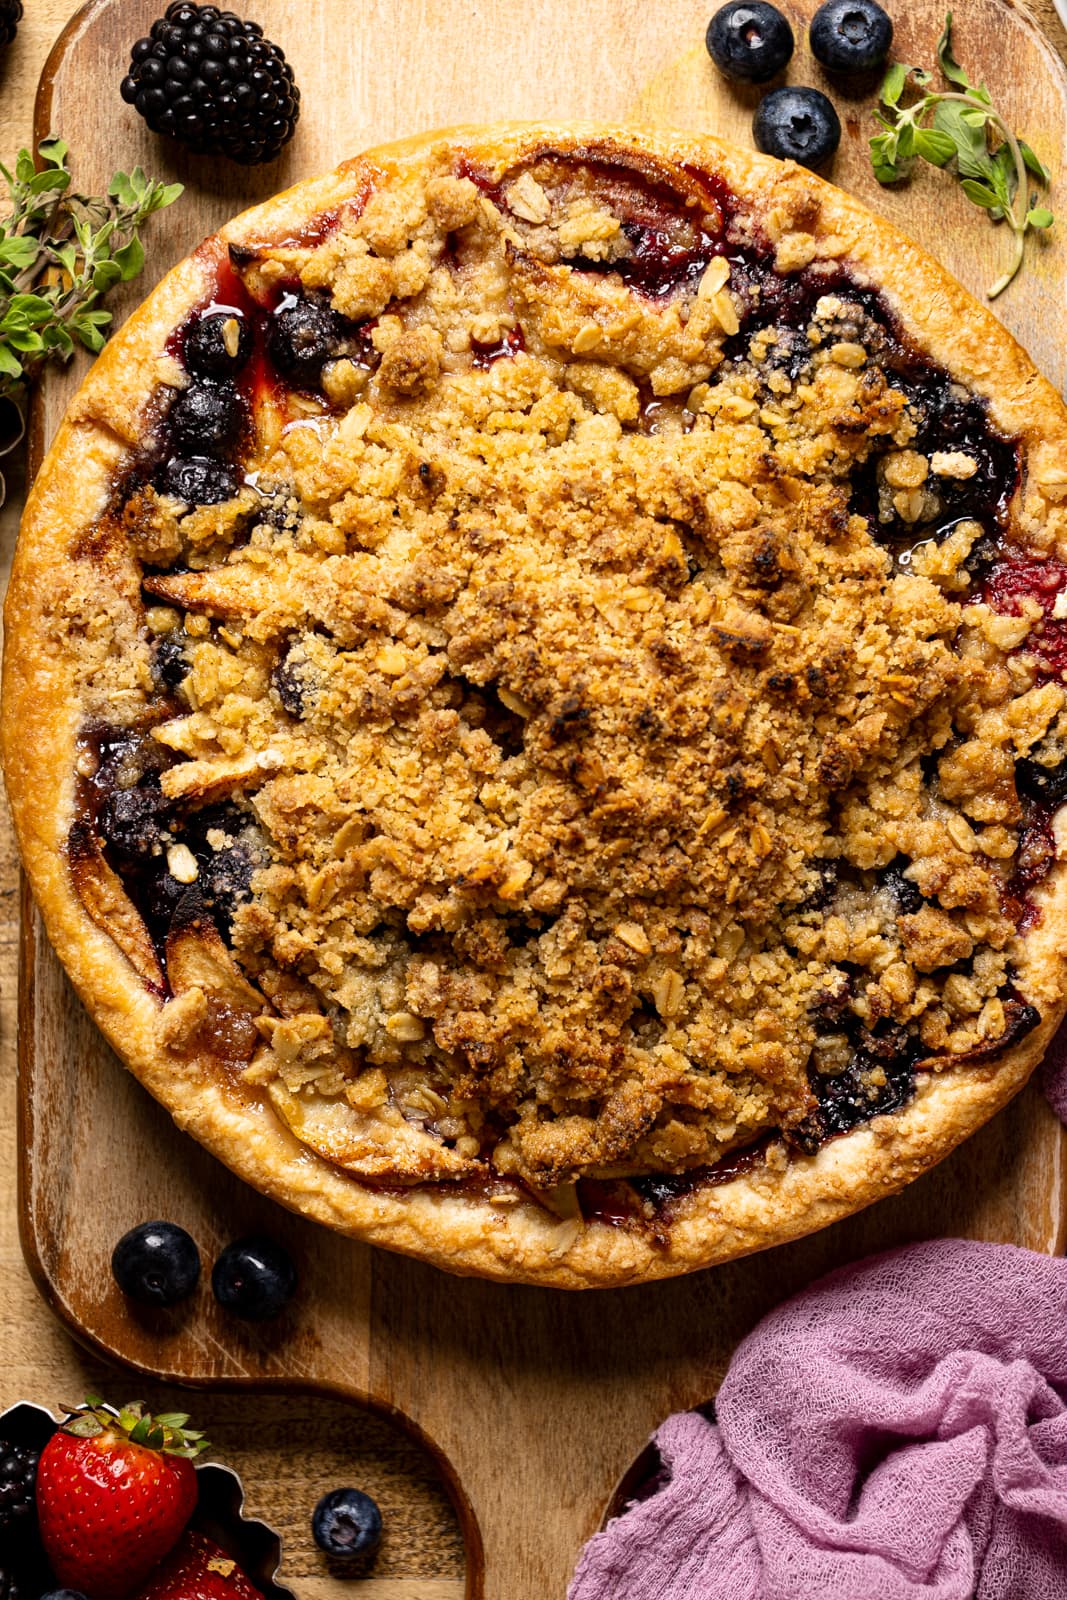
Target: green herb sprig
(961, 126)
(60, 253)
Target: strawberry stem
(166, 1432)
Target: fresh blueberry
(254, 1278)
(64, 1594)
(156, 1263)
(304, 335)
(850, 35)
(749, 40)
(197, 480)
(347, 1522)
(207, 417)
(797, 125)
(217, 345)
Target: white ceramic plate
(1061, 7)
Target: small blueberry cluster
(158, 1264)
(750, 41)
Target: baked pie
(534, 702)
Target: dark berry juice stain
(1047, 785)
(121, 802)
(661, 1191)
(662, 258)
(118, 758)
(290, 684)
(823, 878)
(876, 1080)
(611, 1203)
(1017, 578)
(483, 708)
(947, 418)
(510, 343)
(170, 661)
(1031, 864)
(1020, 1018)
(672, 216)
(907, 895)
(319, 228)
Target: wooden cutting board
(533, 1402)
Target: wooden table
(422, 1558)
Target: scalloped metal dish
(219, 1509)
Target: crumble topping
(585, 721)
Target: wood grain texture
(536, 1401)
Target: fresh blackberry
(212, 80)
(10, 17)
(18, 1477)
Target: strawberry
(114, 1491)
(198, 1570)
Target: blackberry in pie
(555, 703)
(18, 1478)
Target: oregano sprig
(60, 253)
(961, 127)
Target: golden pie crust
(581, 718)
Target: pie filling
(588, 719)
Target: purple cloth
(896, 1431)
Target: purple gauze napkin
(896, 1431)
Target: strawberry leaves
(960, 128)
(166, 1433)
(60, 253)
